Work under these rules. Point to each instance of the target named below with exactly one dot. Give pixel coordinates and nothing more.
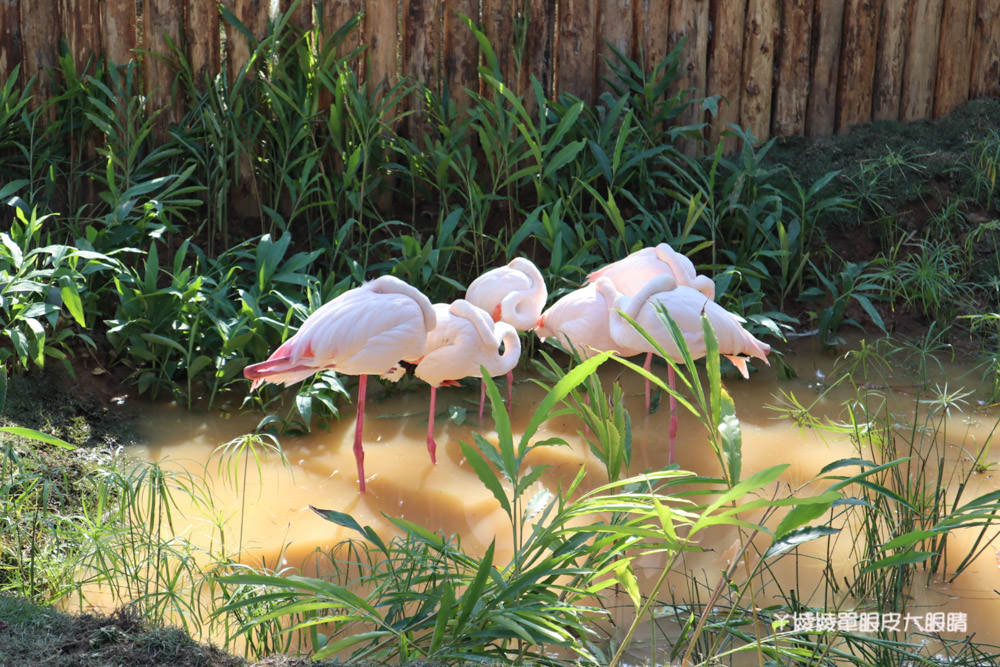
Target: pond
(270, 515)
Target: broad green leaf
(71, 299)
(804, 513)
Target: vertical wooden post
(820, 113)
(652, 29)
(81, 25)
(253, 14)
(10, 37)
(40, 31)
(201, 40)
(498, 25)
(758, 67)
(792, 92)
(576, 62)
(421, 49)
(614, 27)
(161, 19)
(954, 67)
(856, 83)
(332, 16)
(725, 67)
(119, 24)
(985, 79)
(380, 33)
(889, 61)
(539, 49)
(302, 17)
(461, 51)
(920, 64)
(689, 21)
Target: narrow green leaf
(486, 476)
(907, 558)
(32, 434)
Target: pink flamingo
(580, 320)
(514, 294)
(685, 305)
(630, 274)
(464, 339)
(365, 330)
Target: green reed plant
(930, 276)
(858, 282)
(917, 490)
(30, 487)
(608, 426)
(139, 197)
(982, 164)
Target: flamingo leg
(359, 450)
(510, 392)
(673, 413)
(431, 445)
(482, 397)
(647, 365)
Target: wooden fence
(783, 67)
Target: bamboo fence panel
(779, 66)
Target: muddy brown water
(279, 529)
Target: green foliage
(929, 276)
(188, 331)
(45, 298)
(982, 168)
(857, 283)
